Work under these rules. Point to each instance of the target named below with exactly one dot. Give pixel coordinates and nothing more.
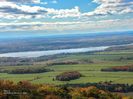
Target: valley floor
(91, 71)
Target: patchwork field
(91, 71)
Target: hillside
(65, 41)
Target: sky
(64, 16)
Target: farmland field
(91, 71)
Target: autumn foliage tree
(26, 90)
(119, 68)
(66, 76)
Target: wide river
(52, 52)
(29, 54)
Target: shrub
(66, 76)
(119, 68)
(28, 70)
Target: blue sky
(84, 5)
(65, 16)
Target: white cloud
(109, 7)
(11, 10)
(36, 1)
(45, 3)
(21, 1)
(107, 1)
(54, 1)
(64, 13)
(91, 26)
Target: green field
(90, 71)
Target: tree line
(26, 70)
(119, 68)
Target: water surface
(52, 52)
(28, 54)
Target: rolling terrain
(88, 64)
(82, 70)
(65, 41)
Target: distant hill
(118, 48)
(64, 41)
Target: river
(29, 54)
